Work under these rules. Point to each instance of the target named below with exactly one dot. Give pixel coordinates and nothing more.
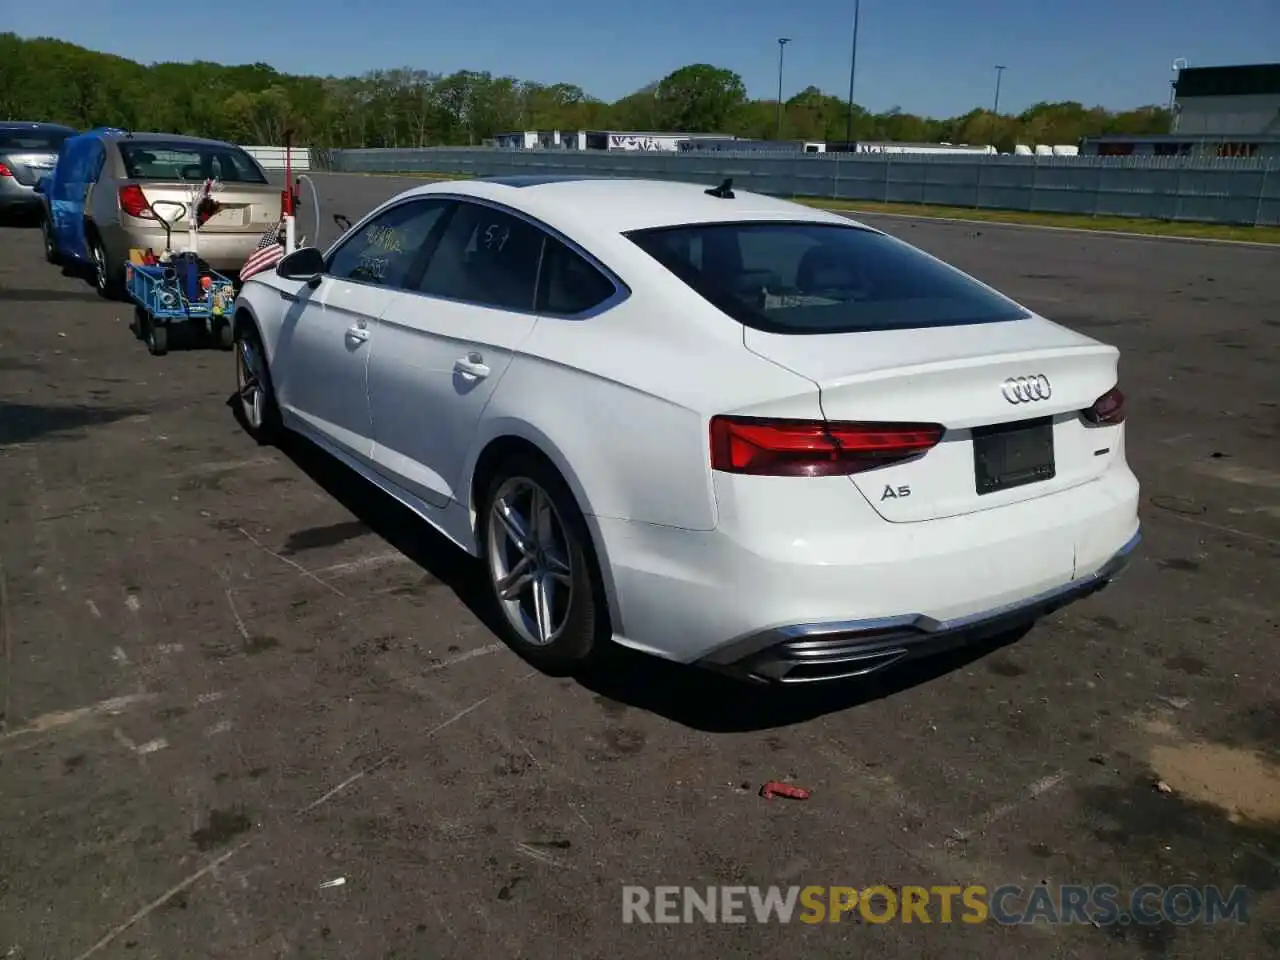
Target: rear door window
(486, 257)
(816, 278)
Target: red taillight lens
(134, 202)
(1108, 409)
(5, 171)
(814, 448)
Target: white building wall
(1237, 116)
(523, 140)
(272, 158)
(634, 141)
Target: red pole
(287, 207)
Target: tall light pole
(1178, 66)
(999, 71)
(782, 45)
(853, 66)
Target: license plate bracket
(1008, 455)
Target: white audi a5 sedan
(711, 425)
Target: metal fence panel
(1268, 198)
(1235, 191)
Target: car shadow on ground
(29, 423)
(12, 295)
(399, 526)
(690, 696)
(714, 703)
(83, 272)
(20, 220)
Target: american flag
(266, 254)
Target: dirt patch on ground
(1239, 781)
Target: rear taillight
(814, 448)
(5, 171)
(1108, 409)
(134, 202)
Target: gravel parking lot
(230, 675)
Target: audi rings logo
(1027, 389)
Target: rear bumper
(809, 652)
(224, 252)
(778, 562)
(15, 196)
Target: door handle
(357, 334)
(472, 365)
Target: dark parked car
(28, 151)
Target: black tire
(157, 339)
(108, 279)
(585, 620)
(268, 431)
(141, 321)
(226, 336)
(50, 242)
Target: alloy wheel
(530, 562)
(99, 267)
(249, 384)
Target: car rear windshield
(36, 141)
(158, 160)
(814, 278)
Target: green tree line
(51, 80)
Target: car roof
(619, 205)
(127, 136)
(33, 125)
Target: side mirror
(42, 185)
(305, 264)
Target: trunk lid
(246, 207)
(29, 166)
(956, 376)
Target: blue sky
(934, 57)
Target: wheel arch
(91, 233)
(516, 437)
(244, 317)
(48, 230)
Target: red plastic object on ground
(775, 788)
